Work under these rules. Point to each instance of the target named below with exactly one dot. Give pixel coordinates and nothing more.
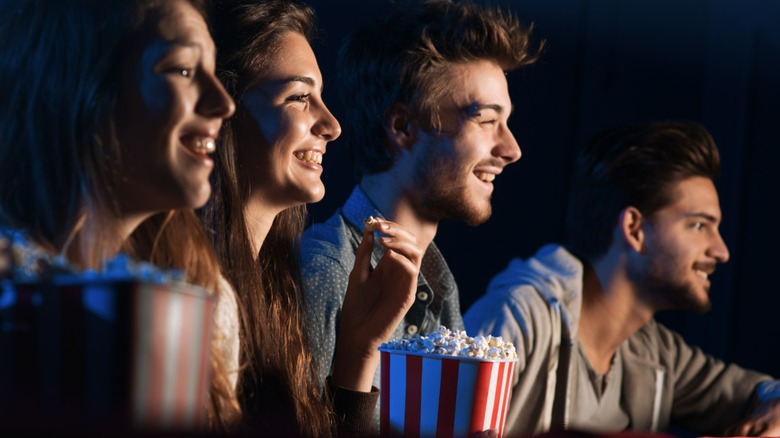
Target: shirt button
(422, 295)
(411, 329)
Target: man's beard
(666, 288)
(444, 192)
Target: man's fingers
(363, 257)
(397, 268)
(405, 248)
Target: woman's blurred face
(169, 111)
(284, 127)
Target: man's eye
(698, 225)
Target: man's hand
(764, 421)
(375, 303)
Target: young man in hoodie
(643, 237)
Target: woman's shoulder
(226, 319)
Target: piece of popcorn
(371, 223)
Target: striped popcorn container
(95, 353)
(425, 395)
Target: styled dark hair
(279, 376)
(403, 59)
(59, 81)
(635, 165)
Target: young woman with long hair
(109, 112)
(269, 164)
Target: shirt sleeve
(768, 391)
(709, 394)
(353, 410)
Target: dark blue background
(610, 62)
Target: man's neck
(611, 312)
(395, 203)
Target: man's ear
(630, 228)
(400, 129)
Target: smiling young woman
(268, 166)
(110, 109)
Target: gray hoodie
(536, 305)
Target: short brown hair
(402, 58)
(635, 165)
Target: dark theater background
(609, 62)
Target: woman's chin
(315, 194)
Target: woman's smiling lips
(310, 156)
(199, 145)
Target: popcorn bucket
(91, 352)
(426, 395)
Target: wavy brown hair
(59, 164)
(403, 59)
(278, 387)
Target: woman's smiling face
(284, 127)
(169, 111)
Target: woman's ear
(630, 228)
(400, 129)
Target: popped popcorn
(446, 342)
(23, 261)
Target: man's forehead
(695, 196)
(474, 84)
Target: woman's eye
(185, 72)
(300, 98)
(488, 122)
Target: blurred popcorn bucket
(96, 352)
(425, 395)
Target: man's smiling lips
(485, 176)
(704, 270)
(487, 172)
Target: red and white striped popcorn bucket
(425, 395)
(95, 353)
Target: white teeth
(205, 145)
(484, 176)
(310, 156)
(702, 274)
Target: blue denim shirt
(328, 256)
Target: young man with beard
(643, 237)
(426, 104)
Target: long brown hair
(279, 377)
(60, 73)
